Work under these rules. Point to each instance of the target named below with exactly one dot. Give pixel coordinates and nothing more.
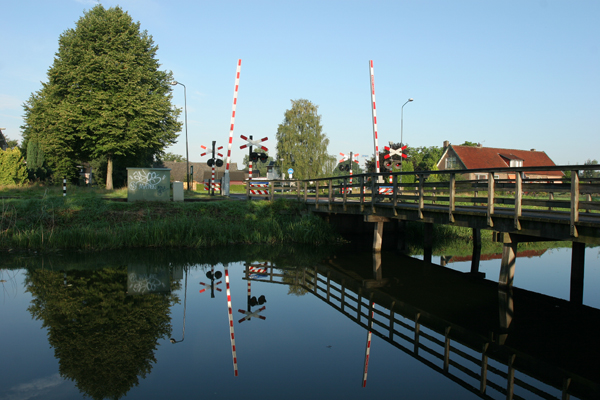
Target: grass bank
(90, 223)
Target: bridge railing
(518, 189)
(476, 363)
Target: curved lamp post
(401, 124)
(187, 157)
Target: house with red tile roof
(478, 157)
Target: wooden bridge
(464, 329)
(517, 210)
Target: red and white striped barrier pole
(231, 125)
(374, 111)
(231, 333)
(368, 350)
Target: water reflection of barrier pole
(368, 350)
(184, 306)
(231, 333)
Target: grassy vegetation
(42, 219)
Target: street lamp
(187, 156)
(401, 124)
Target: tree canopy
(105, 96)
(301, 143)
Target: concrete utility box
(177, 191)
(150, 184)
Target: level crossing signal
(395, 152)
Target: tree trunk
(109, 173)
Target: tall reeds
(95, 224)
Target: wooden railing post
(395, 189)
(247, 190)
(452, 197)
(271, 190)
(421, 195)
(574, 202)
(362, 193)
(330, 197)
(345, 194)
(374, 191)
(305, 191)
(317, 195)
(518, 198)
(490, 205)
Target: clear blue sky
(511, 74)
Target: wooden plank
(518, 199)
(421, 194)
(452, 194)
(330, 194)
(574, 201)
(490, 205)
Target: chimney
(479, 145)
(532, 149)
(446, 143)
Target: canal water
(296, 323)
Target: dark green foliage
(172, 157)
(105, 96)
(301, 143)
(12, 167)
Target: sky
(515, 74)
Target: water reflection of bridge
(511, 344)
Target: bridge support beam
(428, 243)
(577, 268)
(507, 266)
(378, 231)
(476, 253)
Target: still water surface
(103, 326)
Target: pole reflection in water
(257, 271)
(212, 275)
(231, 333)
(184, 308)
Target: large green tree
(105, 96)
(301, 143)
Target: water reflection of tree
(104, 339)
(293, 277)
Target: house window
(451, 162)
